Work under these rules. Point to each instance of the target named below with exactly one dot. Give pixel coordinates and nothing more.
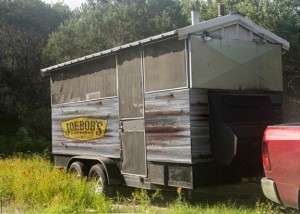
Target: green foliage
(141, 201)
(38, 122)
(24, 29)
(208, 9)
(164, 16)
(33, 185)
(262, 207)
(24, 141)
(101, 25)
(34, 14)
(230, 207)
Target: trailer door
(131, 113)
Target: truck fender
(112, 171)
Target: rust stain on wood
(163, 129)
(165, 113)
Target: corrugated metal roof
(48, 70)
(182, 34)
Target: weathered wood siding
(167, 120)
(200, 126)
(107, 146)
(176, 123)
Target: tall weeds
(31, 185)
(34, 186)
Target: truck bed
(281, 159)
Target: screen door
(131, 113)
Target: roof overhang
(230, 20)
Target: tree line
(34, 35)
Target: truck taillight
(265, 156)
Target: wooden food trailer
(185, 108)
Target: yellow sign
(84, 128)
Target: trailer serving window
(165, 65)
(86, 81)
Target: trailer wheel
(97, 172)
(78, 168)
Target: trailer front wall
(235, 65)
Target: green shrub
(39, 121)
(24, 141)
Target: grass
(32, 185)
(143, 202)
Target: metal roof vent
(195, 17)
(221, 10)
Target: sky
(71, 3)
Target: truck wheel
(78, 168)
(97, 172)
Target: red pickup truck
(281, 161)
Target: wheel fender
(112, 171)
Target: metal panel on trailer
(167, 123)
(235, 65)
(180, 176)
(108, 146)
(133, 153)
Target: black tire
(97, 173)
(78, 168)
